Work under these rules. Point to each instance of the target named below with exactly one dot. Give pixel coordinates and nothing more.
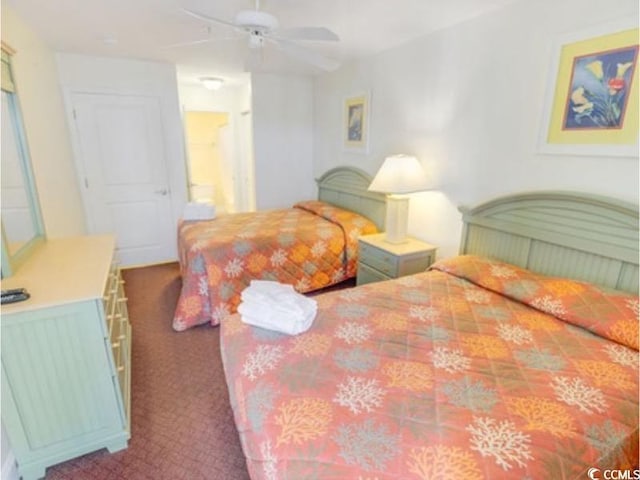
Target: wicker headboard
(567, 234)
(346, 187)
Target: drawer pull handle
(115, 345)
(121, 368)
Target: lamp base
(396, 218)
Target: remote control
(13, 290)
(17, 295)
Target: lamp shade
(400, 174)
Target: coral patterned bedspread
(310, 246)
(476, 369)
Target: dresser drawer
(376, 258)
(118, 338)
(110, 299)
(117, 317)
(124, 369)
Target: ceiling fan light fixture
(256, 40)
(212, 83)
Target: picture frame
(591, 103)
(355, 125)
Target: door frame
(174, 164)
(245, 194)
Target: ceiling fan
(262, 28)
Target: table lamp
(398, 176)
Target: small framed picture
(356, 123)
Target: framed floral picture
(591, 106)
(356, 123)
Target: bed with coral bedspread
(311, 246)
(476, 369)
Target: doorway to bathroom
(209, 159)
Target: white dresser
(66, 355)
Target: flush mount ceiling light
(212, 83)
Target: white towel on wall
(276, 306)
(199, 211)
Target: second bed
(310, 246)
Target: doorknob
(162, 191)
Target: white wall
(468, 102)
(283, 139)
(46, 128)
(135, 77)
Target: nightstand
(380, 260)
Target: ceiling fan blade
(188, 44)
(307, 33)
(305, 55)
(207, 18)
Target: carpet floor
(181, 422)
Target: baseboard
(152, 264)
(9, 468)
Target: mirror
(22, 227)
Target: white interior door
(123, 165)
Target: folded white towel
(276, 306)
(199, 211)
(265, 290)
(291, 311)
(291, 325)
